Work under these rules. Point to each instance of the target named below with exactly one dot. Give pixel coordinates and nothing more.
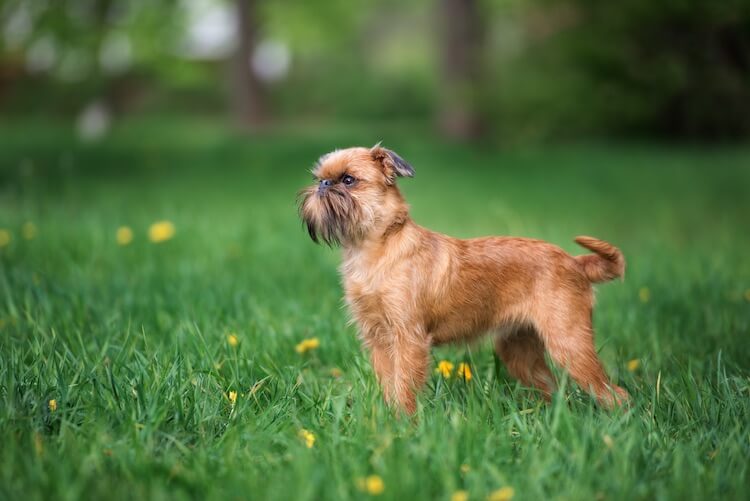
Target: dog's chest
(366, 291)
(364, 294)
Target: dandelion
(634, 364)
(308, 437)
(52, 404)
(445, 368)
(504, 494)
(232, 397)
(233, 340)
(307, 345)
(464, 371)
(4, 237)
(608, 441)
(28, 230)
(161, 231)
(374, 485)
(644, 294)
(124, 235)
(460, 496)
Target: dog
(409, 288)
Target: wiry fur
(410, 288)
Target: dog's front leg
(411, 361)
(382, 364)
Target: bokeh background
(169, 331)
(502, 70)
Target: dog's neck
(395, 225)
(396, 233)
(398, 228)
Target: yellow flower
(5, 237)
(634, 364)
(232, 397)
(28, 230)
(465, 468)
(504, 494)
(233, 340)
(124, 235)
(374, 485)
(52, 405)
(644, 294)
(460, 496)
(161, 231)
(308, 437)
(608, 441)
(445, 368)
(336, 372)
(307, 344)
(464, 371)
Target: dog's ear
(393, 165)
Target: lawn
(119, 363)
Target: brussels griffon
(410, 288)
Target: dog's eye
(348, 180)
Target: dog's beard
(334, 217)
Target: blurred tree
(248, 96)
(461, 47)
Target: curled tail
(606, 263)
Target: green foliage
(676, 68)
(551, 68)
(117, 51)
(131, 341)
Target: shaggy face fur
(351, 198)
(409, 288)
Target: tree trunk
(461, 40)
(248, 96)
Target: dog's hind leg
(522, 352)
(569, 339)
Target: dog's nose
(324, 185)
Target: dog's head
(354, 195)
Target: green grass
(131, 341)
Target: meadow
(209, 356)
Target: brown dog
(410, 288)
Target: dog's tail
(606, 263)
